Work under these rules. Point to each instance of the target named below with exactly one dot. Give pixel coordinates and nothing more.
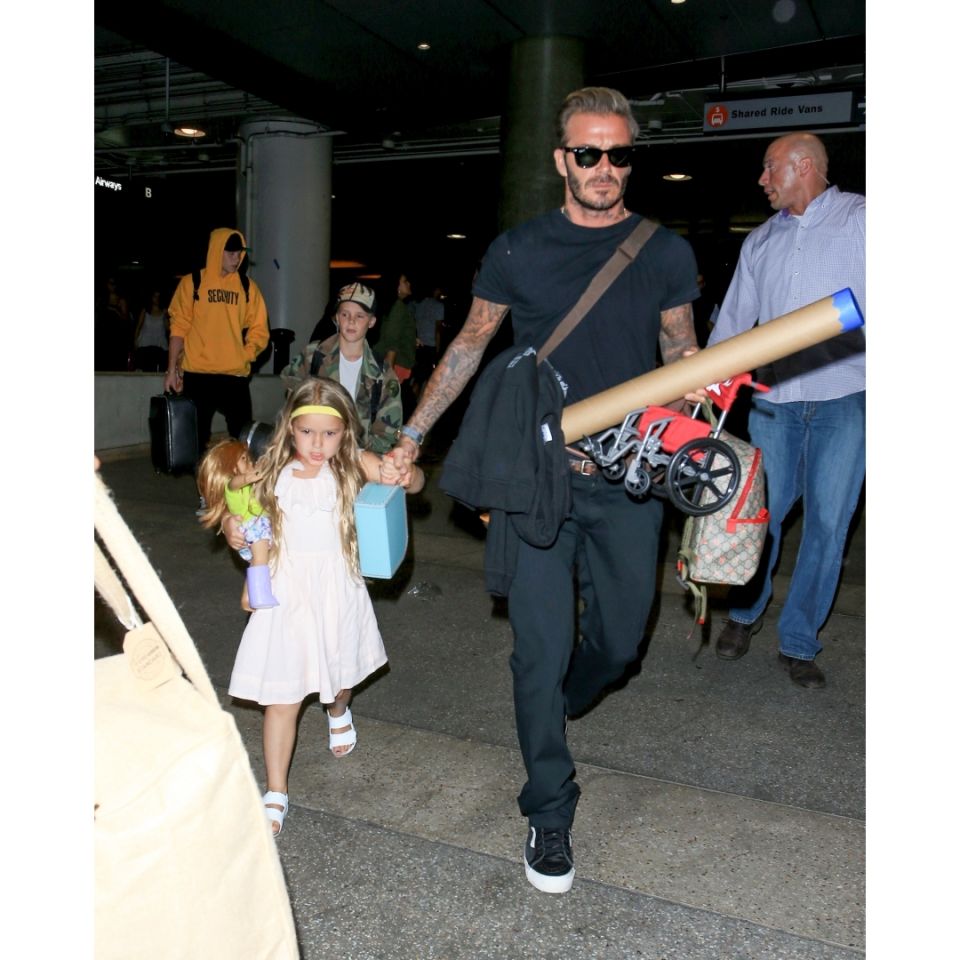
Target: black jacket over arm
(509, 457)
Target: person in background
(398, 338)
(112, 338)
(429, 317)
(811, 425)
(150, 343)
(220, 328)
(347, 358)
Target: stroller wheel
(703, 476)
(638, 483)
(615, 470)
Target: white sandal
(273, 814)
(346, 739)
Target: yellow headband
(315, 409)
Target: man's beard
(579, 194)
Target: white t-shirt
(350, 374)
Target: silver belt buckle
(583, 466)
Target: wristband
(414, 435)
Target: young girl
(323, 637)
(225, 478)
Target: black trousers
(211, 392)
(613, 542)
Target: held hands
(404, 453)
(391, 475)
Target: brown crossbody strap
(624, 255)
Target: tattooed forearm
(676, 332)
(458, 364)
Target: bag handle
(111, 590)
(145, 585)
(623, 256)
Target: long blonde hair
(217, 468)
(346, 466)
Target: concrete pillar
(543, 70)
(283, 208)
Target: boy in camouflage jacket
(377, 390)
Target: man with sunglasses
(538, 271)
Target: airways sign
(800, 110)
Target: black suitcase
(173, 433)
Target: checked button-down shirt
(788, 263)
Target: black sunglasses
(587, 157)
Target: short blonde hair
(601, 100)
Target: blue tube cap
(851, 316)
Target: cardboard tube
(763, 344)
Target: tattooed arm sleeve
(677, 335)
(458, 363)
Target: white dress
(323, 637)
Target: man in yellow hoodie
(220, 326)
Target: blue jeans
(814, 450)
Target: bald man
(810, 425)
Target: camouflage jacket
(378, 391)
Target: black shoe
(548, 859)
(734, 639)
(804, 672)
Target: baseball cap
(235, 243)
(358, 293)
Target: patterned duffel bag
(725, 547)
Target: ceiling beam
(837, 52)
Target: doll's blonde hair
(217, 468)
(346, 466)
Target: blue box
(381, 515)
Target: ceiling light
(456, 236)
(423, 46)
(677, 177)
(369, 276)
(192, 133)
(346, 265)
(677, 1)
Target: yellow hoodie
(212, 327)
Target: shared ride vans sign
(796, 110)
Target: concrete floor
(722, 812)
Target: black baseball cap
(234, 243)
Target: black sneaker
(548, 860)
(203, 507)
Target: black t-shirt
(541, 268)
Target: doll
(226, 477)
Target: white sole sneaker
(549, 884)
(559, 854)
